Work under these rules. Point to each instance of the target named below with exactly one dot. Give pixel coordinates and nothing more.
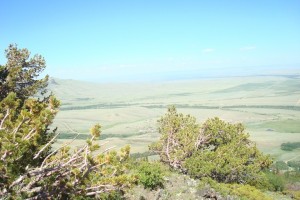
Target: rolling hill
(268, 105)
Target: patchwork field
(269, 106)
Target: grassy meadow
(269, 106)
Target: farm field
(269, 106)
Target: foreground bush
(276, 181)
(228, 156)
(180, 137)
(218, 150)
(151, 175)
(234, 190)
(68, 174)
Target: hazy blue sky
(144, 40)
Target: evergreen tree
(24, 121)
(20, 74)
(217, 150)
(28, 167)
(179, 135)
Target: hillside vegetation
(214, 159)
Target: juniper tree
(228, 155)
(180, 138)
(215, 149)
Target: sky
(109, 41)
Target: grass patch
(247, 87)
(97, 106)
(282, 126)
(70, 136)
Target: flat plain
(269, 107)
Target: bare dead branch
(106, 150)
(28, 136)
(4, 118)
(40, 151)
(51, 154)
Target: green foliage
(293, 193)
(276, 181)
(292, 176)
(290, 146)
(115, 195)
(228, 164)
(294, 164)
(24, 133)
(20, 74)
(95, 130)
(242, 191)
(25, 139)
(292, 183)
(151, 174)
(218, 150)
(247, 192)
(279, 165)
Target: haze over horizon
(138, 40)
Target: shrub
(293, 194)
(242, 191)
(280, 165)
(151, 175)
(217, 149)
(294, 164)
(276, 181)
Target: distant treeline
(97, 106)
(122, 105)
(290, 146)
(228, 107)
(102, 136)
(143, 155)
